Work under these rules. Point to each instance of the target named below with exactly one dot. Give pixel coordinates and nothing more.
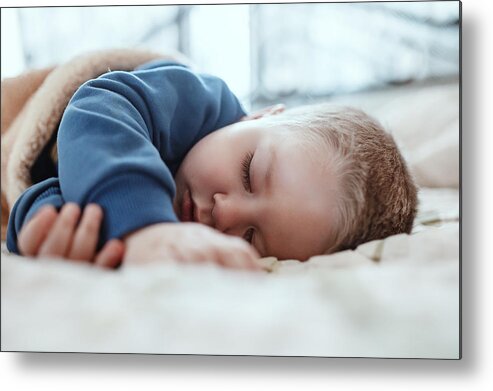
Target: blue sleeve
(123, 136)
(41, 194)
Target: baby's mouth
(187, 207)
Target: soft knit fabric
(121, 141)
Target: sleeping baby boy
(163, 163)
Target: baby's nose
(230, 214)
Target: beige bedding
(397, 297)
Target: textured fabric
(123, 137)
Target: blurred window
(54, 34)
(313, 51)
(266, 52)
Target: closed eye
(249, 235)
(245, 172)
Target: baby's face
(257, 183)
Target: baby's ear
(265, 112)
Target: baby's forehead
(301, 168)
(306, 145)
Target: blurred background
(291, 53)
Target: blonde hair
(377, 196)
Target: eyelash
(249, 235)
(245, 173)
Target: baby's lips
(186, 207)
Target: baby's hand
(189, 242)
(60, 234)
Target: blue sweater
(121, 140)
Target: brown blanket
(33, 104)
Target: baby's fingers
(35, 231)
(111, 255)
(58, 240)
(241, 257)
(240, 261)
(85, 240)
